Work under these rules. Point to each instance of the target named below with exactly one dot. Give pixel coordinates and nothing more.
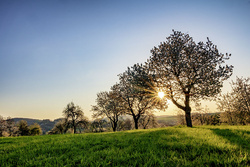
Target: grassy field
(174, 146)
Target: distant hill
(168, 120)
(29, 120)
(45, 124)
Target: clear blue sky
(55, 52)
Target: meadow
(172, 146)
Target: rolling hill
(171, 146)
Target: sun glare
(161, 94)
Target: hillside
(172, 146)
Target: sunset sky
(53, 52)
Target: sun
(161, 94)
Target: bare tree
(148, 120)
(124, 124)
(83, 125)
(8, 127)
(12, 129)
(98, 125)
(228, 114)
(188, 71)
(201, 115)
(74, 116)
(235, 105)
(241, 92)
(136, 99)
(109, 105)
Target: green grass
(174, 146)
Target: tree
(8, 127)
(188, 71)
(2, 126)
(201, 115)
(124, 124)
(59, 127)
(83, 125)
(35, 129)
(109, 105)
(98, 125)
(74, 117)
(136, 100)
(23, 128)
(202, 118)
(11, 127)
(235, 105)
(148, 120)
(241, 93)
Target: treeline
(233, 106)
(111, 114)
(74, 121)
(9, 128)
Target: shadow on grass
(238, 137)
(188, 150)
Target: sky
(55, 52)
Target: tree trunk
(74, 129)
(188, 117)
(114, 126)
(136, 119)
(188, 110)
(136, 123)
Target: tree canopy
(235, 104)
(137, 100)
(109, 104)
(74, 117)
(188, 71)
